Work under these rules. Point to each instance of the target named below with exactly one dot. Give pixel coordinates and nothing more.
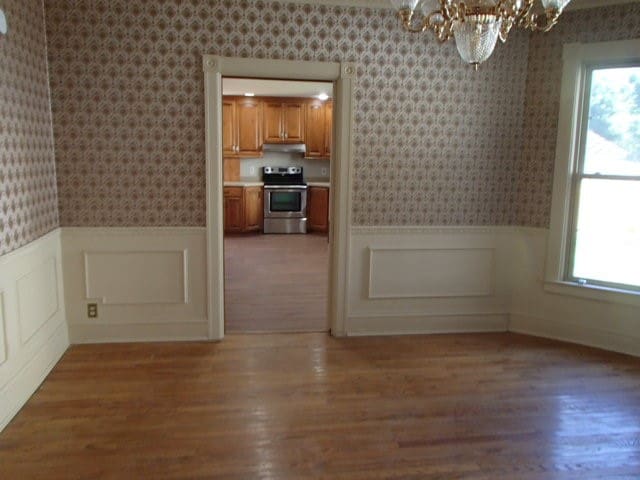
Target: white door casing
(343, 76)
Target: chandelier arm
(449, 10)
(443, 32)
(406, 16)
(543, 23)
(525, 15)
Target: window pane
(607, 245)
(613, 134)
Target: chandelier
(476, 25)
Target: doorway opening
(276, 143)
(342, 75)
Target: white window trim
(576, 59)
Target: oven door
(285, 202)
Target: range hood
(285, 147)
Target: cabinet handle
(286, 135)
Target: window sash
(578, 176)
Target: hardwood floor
(276, 283)
(492, 406)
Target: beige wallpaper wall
(542, 100)
(28, 200)
(436, 143)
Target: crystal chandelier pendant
(476, 25)
(476, 37)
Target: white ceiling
(275, 88)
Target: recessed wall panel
(37, 298)
(424, 273)
(142, 277)
(3, 338)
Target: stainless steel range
(285, 200)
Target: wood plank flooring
(276, 283)
(304, 406)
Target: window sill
(594, 292)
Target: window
(595, 230)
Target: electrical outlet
(323, 172)
(252, 170)
(92, 310)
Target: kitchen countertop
(319, 183)
(250, 182)
(243, 183)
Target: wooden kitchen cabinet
(318, 209)
(242, 209)
(233, 209)
(328, 128)
(229, 121)
(284, 120)
(241, 127)
(253, 213)
(318, 125)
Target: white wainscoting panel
(427, 280)
(3, 344)
(152, 277)
(33, 330)
(611, 325)
(149, 283)
(428, 273)
(37, 298)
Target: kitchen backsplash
(28, 197)
(251, 168)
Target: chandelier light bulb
(555, 4)
(405, 4)
(3, 23)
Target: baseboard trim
(571, 333)
(27, 381)
(127, 333)
(425, 324)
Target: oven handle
(292, 188)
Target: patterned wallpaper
(28, 200)
(542, 100)
(435, 142)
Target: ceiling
(275, 88)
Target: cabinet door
(252, 208)
(272, 122)
(249, 116)
(293, 118)
(229, 124)
(233, 209)
(315, 129)
(328, 128)
(318, 209)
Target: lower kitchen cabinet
(318, 209)
(242, 209)
(253, 213)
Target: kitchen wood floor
(482, 407)
(276, 283)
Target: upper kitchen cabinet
(284, 120)
(241, 127)
(328, 128)
(318, 124)
(229, 122)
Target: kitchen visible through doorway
(277, 142)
